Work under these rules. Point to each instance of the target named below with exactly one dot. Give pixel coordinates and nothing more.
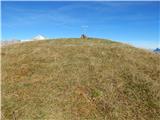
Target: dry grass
(76, 79)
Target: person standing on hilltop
(83, 36)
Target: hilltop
(79, 79)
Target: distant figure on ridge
(83, 36)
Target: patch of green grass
(96, 93)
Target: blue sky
(136, 23)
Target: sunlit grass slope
(79, 79)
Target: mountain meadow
(79, 79)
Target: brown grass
(76, 79)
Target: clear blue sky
(136, 23)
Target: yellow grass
(79, 79)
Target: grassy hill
(79, 79)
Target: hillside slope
(76, 79)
